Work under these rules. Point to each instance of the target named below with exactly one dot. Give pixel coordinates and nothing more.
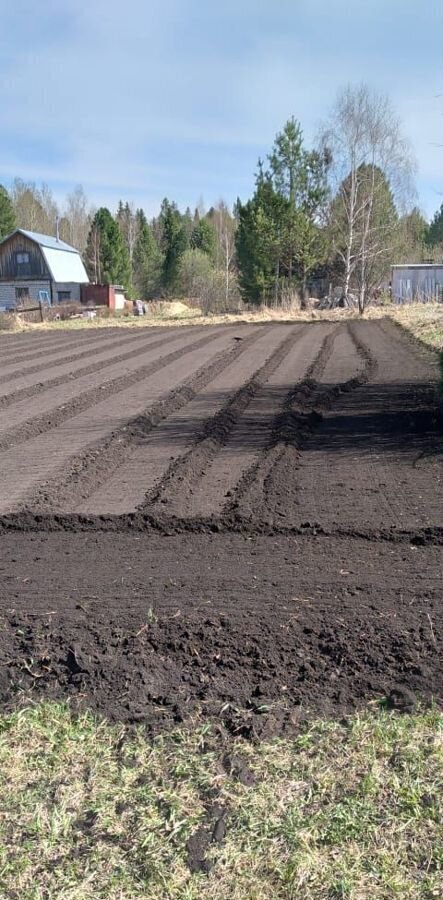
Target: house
(38, 267)
(417, 281)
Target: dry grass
(424, 321)
(351, 810)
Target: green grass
(350, 810)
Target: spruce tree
(147, 260)
(7, 216)
(259, 241)
(204, 238)
(435, 233)
(278, 239)
(174, 244)
(107, 257)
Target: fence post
(42, 318)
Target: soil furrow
(47, 353)
(28, 342)
(20, 373)
(74, 489)
(52, 415)
(26, 468)
(30, 388)
(149, 459)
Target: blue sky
(150, 98)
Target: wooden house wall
(9, 269)
(8, 296)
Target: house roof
(46, 240)
(64, 262)
(65, 266)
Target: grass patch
(351, 810)
(424, 320)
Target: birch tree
(225, 227)
(127, 222)
(34, 207)
(78, 216)
(368, 155)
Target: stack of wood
(337, 300)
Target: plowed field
(245, 519)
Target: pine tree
(106, 254)
(7, 217)
(147, 260)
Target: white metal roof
(47, 240)
(65, 266)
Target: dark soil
(260, 632)
(312, 587)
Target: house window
(22, 293)
(23, 264)
(63, 295)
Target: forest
(335, 214)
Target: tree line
(339, 213)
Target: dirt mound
(170, 309)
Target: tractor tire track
(374, 436)
(178, 482)
(215, 466)
(263, 490)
